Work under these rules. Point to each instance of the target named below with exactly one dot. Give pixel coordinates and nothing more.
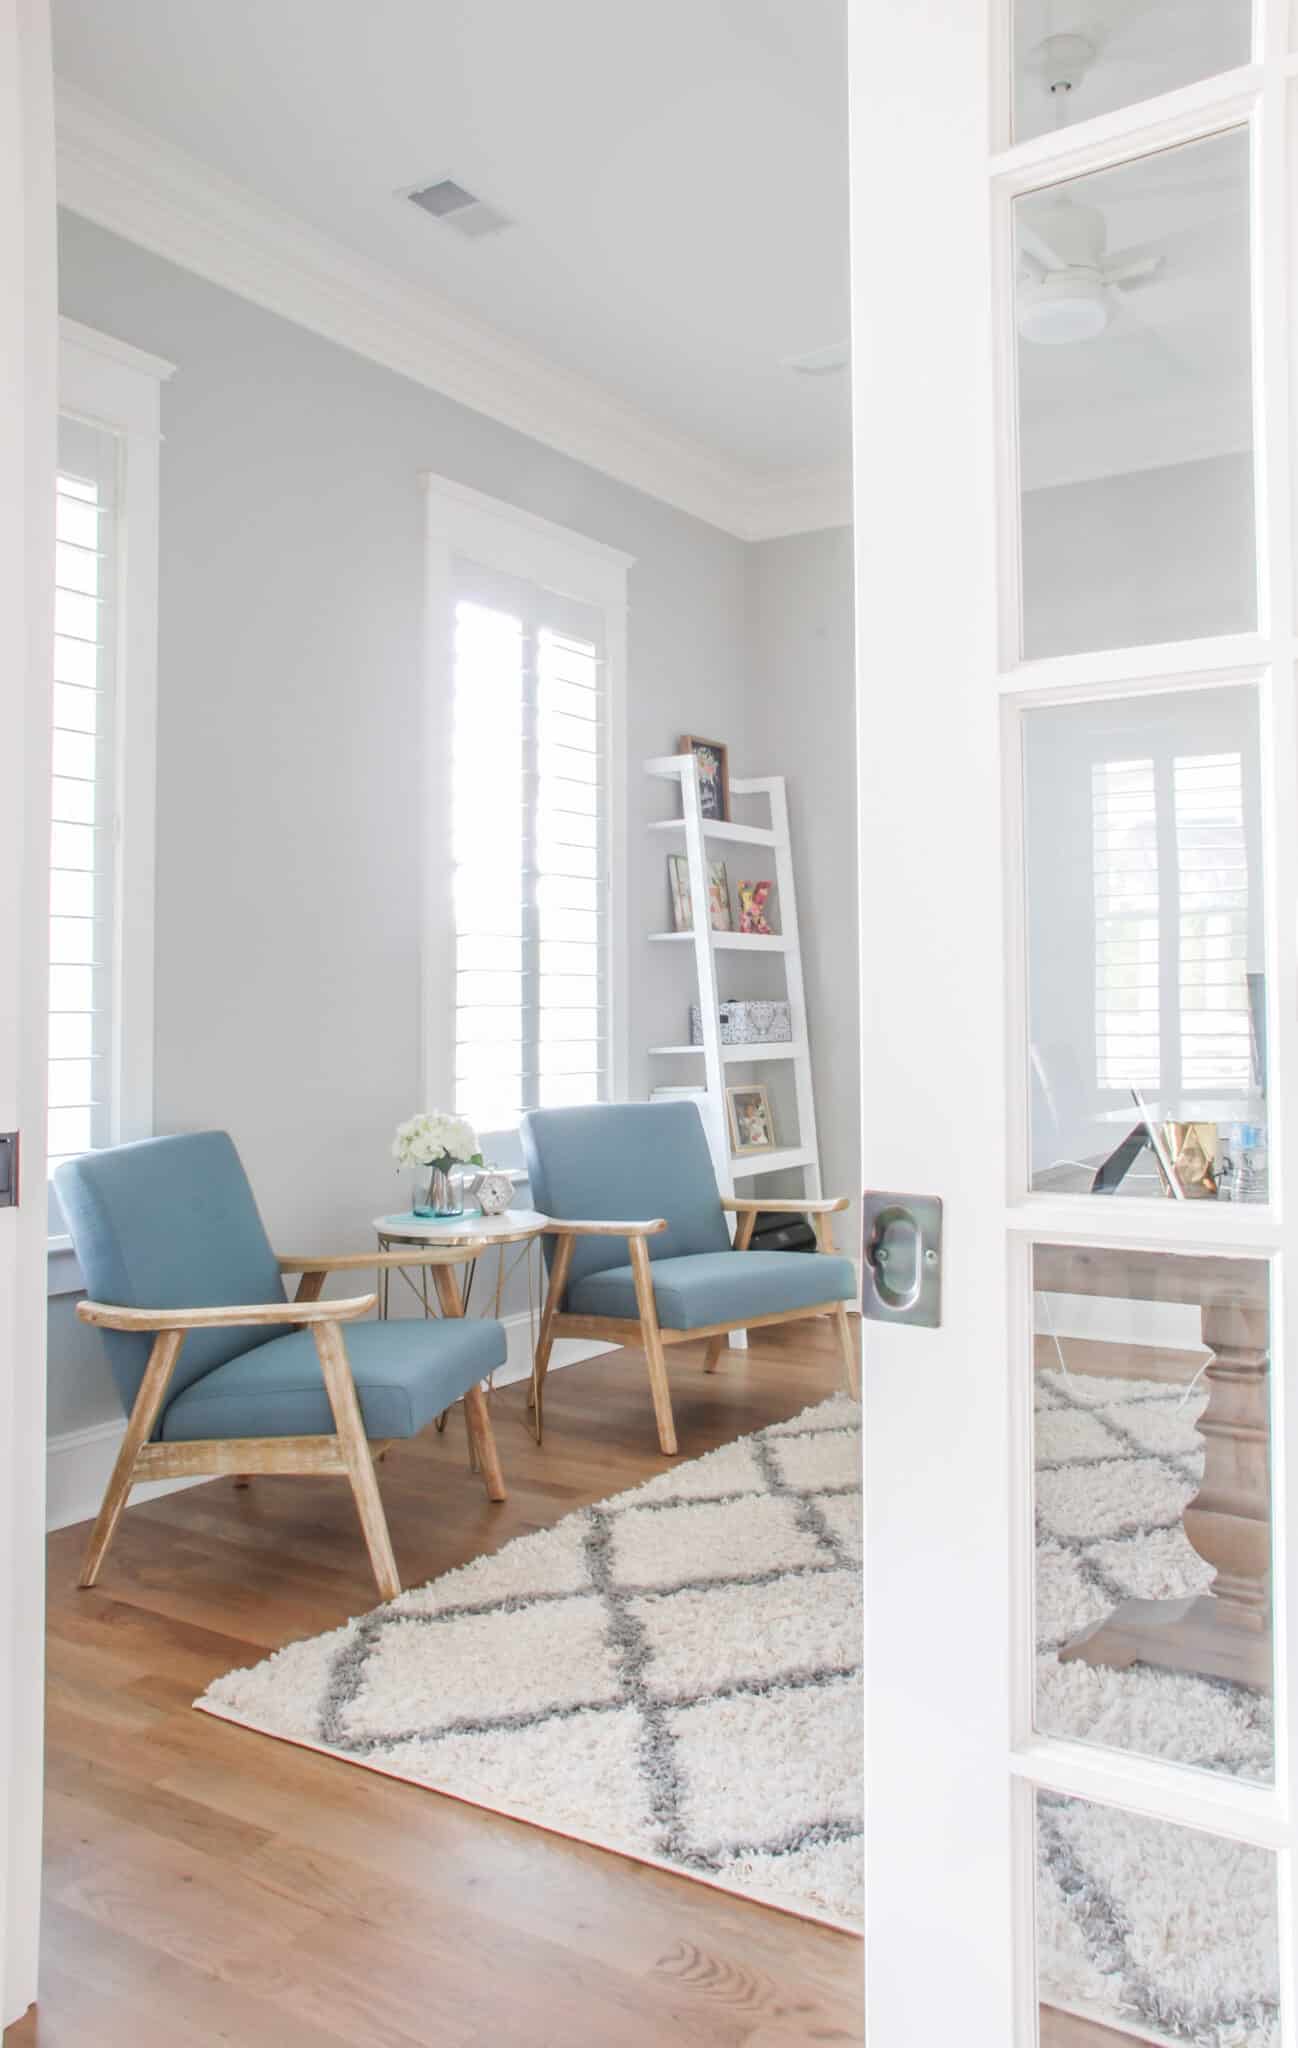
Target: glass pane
(1146, 946)
(1135, 425)
(1073, 62)
(1152, 1425)
(1160, 1933)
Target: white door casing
(28, 358)
(953, 1763)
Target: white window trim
(502, 538)
(110, 384)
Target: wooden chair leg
(341, 1389)
(847, 1345)
(655, 1358)
(712, 1355)
(477, 1416)
(139, 1428)
(545, 1342)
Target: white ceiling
(1170, 379)
(1141, 47)
(676, 172)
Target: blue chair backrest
(626, 1161)
(170, 1223)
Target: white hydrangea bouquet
(431, 1145)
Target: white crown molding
(115, 351)
(805, 501)
(130, 181)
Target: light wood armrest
(568, 1226)
(827, 1205)
(291, 1313)
(410, 1255)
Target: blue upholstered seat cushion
(405, 1372)
(719, 1287)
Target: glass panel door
(1078, 758)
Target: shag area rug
(675, 1674)
(1158, 1931)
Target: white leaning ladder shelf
(705, 944)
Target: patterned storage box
(746, 1023)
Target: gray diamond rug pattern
(1162, 1933)
(674, 1674)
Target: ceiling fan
(1067, 289)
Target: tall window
(1171, 883)
(84, 796)
(530, 848)
(103, 715)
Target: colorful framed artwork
(714, 775)
(678, 869)
(752, 1126)
(753, 899)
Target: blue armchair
(633, 1181)
(219, 1372)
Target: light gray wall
(291, 579)
(802, 662)
(1125, 561)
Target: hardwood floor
(204, 1884)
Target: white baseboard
(80, 1461)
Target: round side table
(473, 1234)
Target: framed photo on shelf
(753, 899)
(678, 868)
(714, 775)
(752, 1126)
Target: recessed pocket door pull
(902, 1265)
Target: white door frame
(952, 1760)
(28, 373)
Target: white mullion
(1213, 1803)
(530, 1011)
(1188, 114)
(1276, 347)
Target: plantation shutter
(1212, 875)
(530, 849)
(83, 832)
(1124, 826)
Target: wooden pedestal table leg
(1225, 1633)
(483, 1456)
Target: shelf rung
(744, 835)
(776, 1049)
(730, 942)
(770, 1162)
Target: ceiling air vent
(460, 209)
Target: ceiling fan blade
(1033, 245)
(1127, 277)
(1128, 323)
